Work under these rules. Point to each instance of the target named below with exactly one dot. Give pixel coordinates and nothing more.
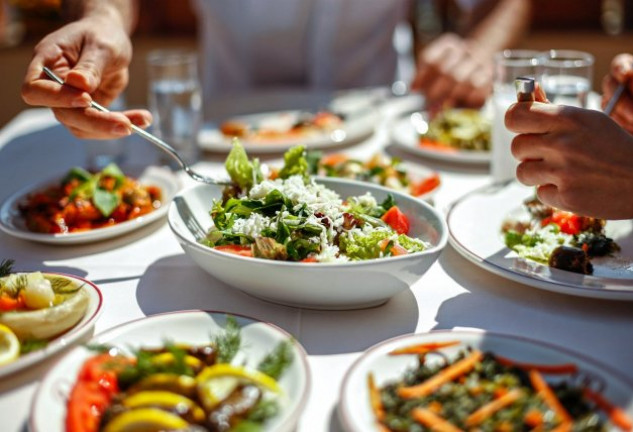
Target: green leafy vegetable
(77, 173)
(229, 342)
(238, 166)
(6, 267)
(264, 410)
(295, 163)
(30, 345)
(105, 201)
(275, 363)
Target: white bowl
(355, 411)
(48, 410)
(331, 286)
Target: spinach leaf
(77, 173)
(112, 170)
(105, 201)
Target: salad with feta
(287, 216)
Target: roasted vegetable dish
(483, 391)
(458, 129)
(85, 201)
(379, 169)
(178, 387)
(561, 239)
(292, 218)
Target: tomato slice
(425, 185)
(240, 250)
(568, 222)
(397, 220)
(334, 159)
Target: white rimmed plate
(78, 331)
(13, 224)
(354, 407)
(406, 136)
(330, 286)
(474, 223)
(48, 410)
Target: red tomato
(569, 223)
(396, 250)
(425, 185)
(240, 250)
(396, 220)
(311, 259)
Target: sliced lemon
(145, 420)
(181, 384)
(165, 400)
(168, 358)
(9, 345)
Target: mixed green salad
(289, 217)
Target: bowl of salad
(323, 243)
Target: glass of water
(566, 76)
(175, 101)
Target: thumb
(87, 73)
(539, 94)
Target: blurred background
(601, 27)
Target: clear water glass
(508, 65)
(566, 76)
(175, 101)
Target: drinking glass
(566, 76)
(175, 101)
(508, 65)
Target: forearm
(122, 12)
(503, 27)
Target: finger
(86, 74)
(535, 117)
(539, 93)
(625, 123)
(536, 172)
(529, 147)
(96, 124)
(548, 194)
(140, 118)
(622, 67)
(439, 90)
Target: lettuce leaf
(295, 163)
(238, 166)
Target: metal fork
(153, 139)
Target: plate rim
(66, 339)
(344, 416)
(116, 329)
(93, 235)
(547, 285)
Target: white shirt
(318, 44)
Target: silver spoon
(153, 139)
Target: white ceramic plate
(48, 410)
(354, 408)
(331, 286)
(474, 223)
(81, 329)
(13, 224)
(405, 136)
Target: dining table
(146, 272)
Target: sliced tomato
(240, 250)
(395, 249)
(425, 185)
(311, 259)
(436, 145)
(334, 159)
(568, 222)
(8, 303)
(397, 220)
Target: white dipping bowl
(331, 286)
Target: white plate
(315, 285)
(48, 410)
(404, 134)
(474, 223)
(13, 224)
(354, 408)
(81, 329)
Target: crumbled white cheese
(253, 225)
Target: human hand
(92, 56)
(453, 72)
(621, 73)
(579, 160)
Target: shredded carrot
(423, 348)
(565, 368)
(492, 407)
(533, 418)
(544, 390)
(374, 398)
(334, 159)
(445, 375)
(433, 421)
(616, 414)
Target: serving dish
(78, 331)
(348, 285)
(48, 410)
(355, 410)
(12, 222)
(475, 221)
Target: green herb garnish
(275, 363)
(6, 267)
(228, 343)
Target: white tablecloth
(147, 273)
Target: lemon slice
(165, 400)
(9, 345)
(168, 358)
(145, 420)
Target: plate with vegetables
(503, 229)
(466, 381)
(191, 370)
(453, 135)
(297, 240)
(42, 313)
(82, 206)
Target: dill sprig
(276, 362)
(228, 343)
(31, 345)
(6, 267)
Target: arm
(92, 55)
(457, 71)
